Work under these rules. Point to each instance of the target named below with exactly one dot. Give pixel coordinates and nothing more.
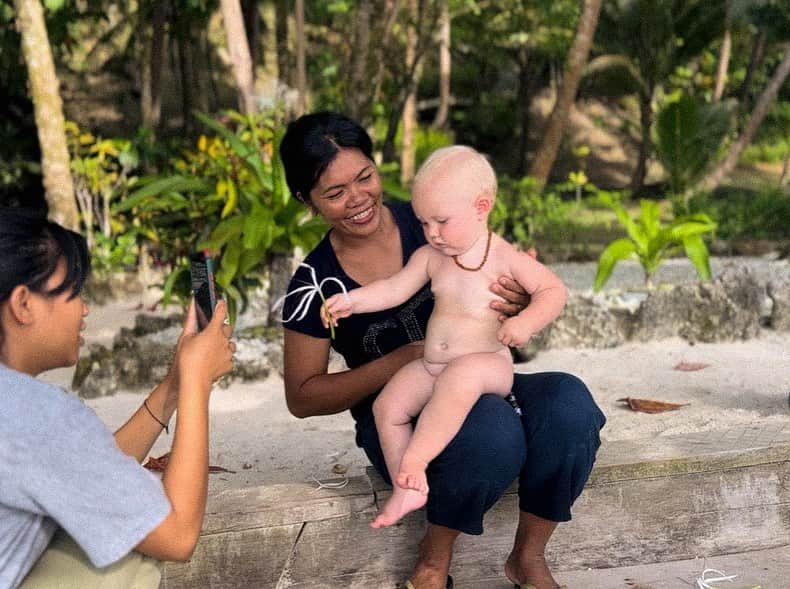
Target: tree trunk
(359, 96)
(252, 27)
(408, 153)
(761, 109)
(151, 91)
(284, 62)
(646, 122)
(240, 57)
(566, 95)
(523, 104)
(755, 59)
(186, 69)
(724, 64)
(301, 58)
(380, 48)
(48, 109)
(445, 67)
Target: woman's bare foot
(433, 563)
(401, 502)
(530, 568)
(411, 474)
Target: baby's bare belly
(451, 335)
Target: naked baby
(466, 346)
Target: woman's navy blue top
(366, 336)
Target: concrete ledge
(666, 498)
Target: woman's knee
(560, 402)
(491, 440)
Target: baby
(466, 347)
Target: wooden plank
(278, 505)
(252, 558)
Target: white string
(703, 581)
(309, 292)
(331, 484)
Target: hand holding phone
(201, 270)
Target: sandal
(448, 585)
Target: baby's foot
(412, 475)
(401, 502)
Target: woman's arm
(310, 390)
(201, 358)
(139, 433)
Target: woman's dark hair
(30, 249)
(311, 143)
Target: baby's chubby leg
(398, 403)
(456, 391)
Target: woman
(329, 167)
(62, 473)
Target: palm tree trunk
(646, 121)
(409, 118)
(755, 59)
(301, 58)
(566, 95)
(48, 109)
(761, 109)
(724, 63)
(240, 57)
(151, 91)
(445, 67)
(358, 96)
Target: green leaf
(619, 249)
(229, 264)
(160, 186)
(697, 252)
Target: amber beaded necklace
(485, 257)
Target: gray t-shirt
(60, 466)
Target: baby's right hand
(336, 307)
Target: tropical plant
(688, 137)
(229, 197)
(651, 241)
(521, 212)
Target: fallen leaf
(650, 406)
(690, 366)
(159, 464)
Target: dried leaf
(690, 366)
(650, 406)
(159, 464)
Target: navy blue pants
(551, 448)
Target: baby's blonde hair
(466, 162)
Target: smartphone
(201, 270)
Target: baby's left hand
(512, 334)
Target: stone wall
(736, 305)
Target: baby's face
(449, 217)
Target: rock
(779, 292)
(725, 309)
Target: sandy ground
(254, 435)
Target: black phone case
(202, 274)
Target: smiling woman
(329, 166)
(64, 520)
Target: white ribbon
(308, 293)
(703, 581)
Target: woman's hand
(515, 298)
(209, 353)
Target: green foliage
(651, 241)
(104, 171)
(227, 196)
(740, 214)
(521, 212)
(688, 136)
